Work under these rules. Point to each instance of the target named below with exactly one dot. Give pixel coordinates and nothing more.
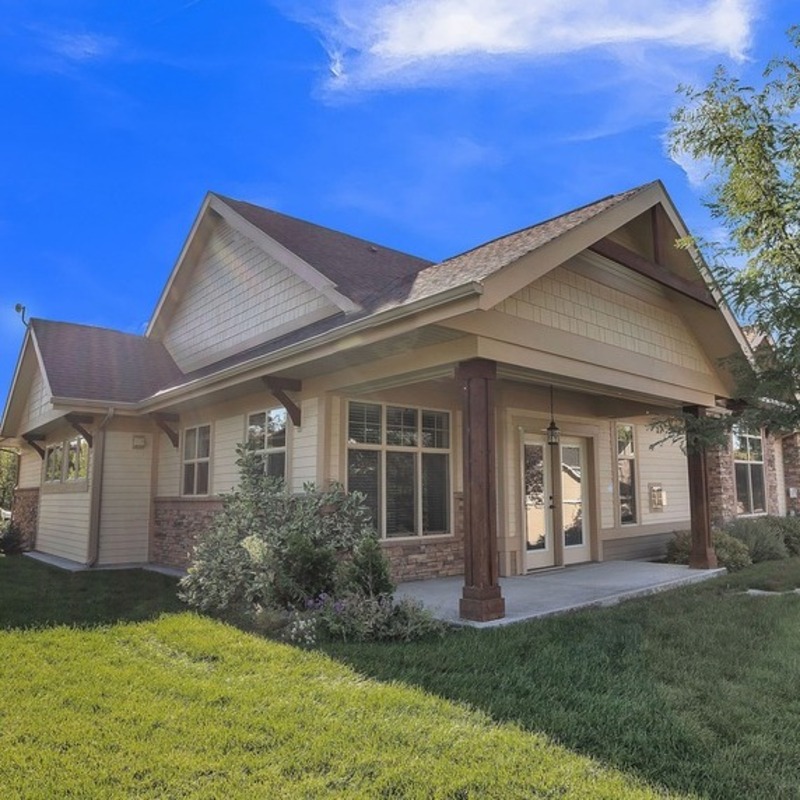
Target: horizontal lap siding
(168, 468)
(238, 295)
(125, 510)
(228, 433)
(30, 470)
(64, 524)
(665, 465)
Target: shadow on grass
(694, 690)
(35, 595)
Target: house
(494, 408)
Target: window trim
(206, 459)
(634, 459)
(418, 450)
(286, 449)
(747, 434)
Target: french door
(555, 495)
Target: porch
(558, 591)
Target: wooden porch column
(702, 555)
(481, 599)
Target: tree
(749, 138)
(8, 476)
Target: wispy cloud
(378, 43)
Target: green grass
(183, 706)
(695, 690)
(691, 692)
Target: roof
(90, 363)
(356, 266)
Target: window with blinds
(398, 457)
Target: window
(399, 458)
(748, 465)
(626, 475)
(196, 459)
(266, 434)
(66, 462)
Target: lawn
(183, 706)
(693, 691)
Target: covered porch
(558, 591)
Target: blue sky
(425, 125)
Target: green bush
(731, 553)
(764, 540)
(789, 528)
(12, 540)
(299, 566)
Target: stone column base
(482, 604)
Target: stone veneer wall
(721, 485)
(771, 474)
(176, 525)
(25, 513)
(429, 557)
(791, 472)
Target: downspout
(98, 459)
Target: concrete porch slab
(558, 591)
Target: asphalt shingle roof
(93, 363)
(90, 363)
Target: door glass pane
(435, 493)
(535, 506)
(400, 500)
(572, 495)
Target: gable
(603, 303)
(28, 403)
(238, 296)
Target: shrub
(731, 553)
(789, 528)
(298, 565)
(763, 538)
(12, 540)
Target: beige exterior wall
(167, 467)
(238, 297)
(30, 469)
(125, 508)
(303, 456)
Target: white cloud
(79, 47)
(388, 42)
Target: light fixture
(553, 433)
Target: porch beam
(621, 255)
(278, 388)
(78, 421)
(481, 597)
(702, 555)
(165, 422)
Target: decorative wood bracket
(32, 439)
(614, 251)
(78, 421)
(163, 421)
(278, 388)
